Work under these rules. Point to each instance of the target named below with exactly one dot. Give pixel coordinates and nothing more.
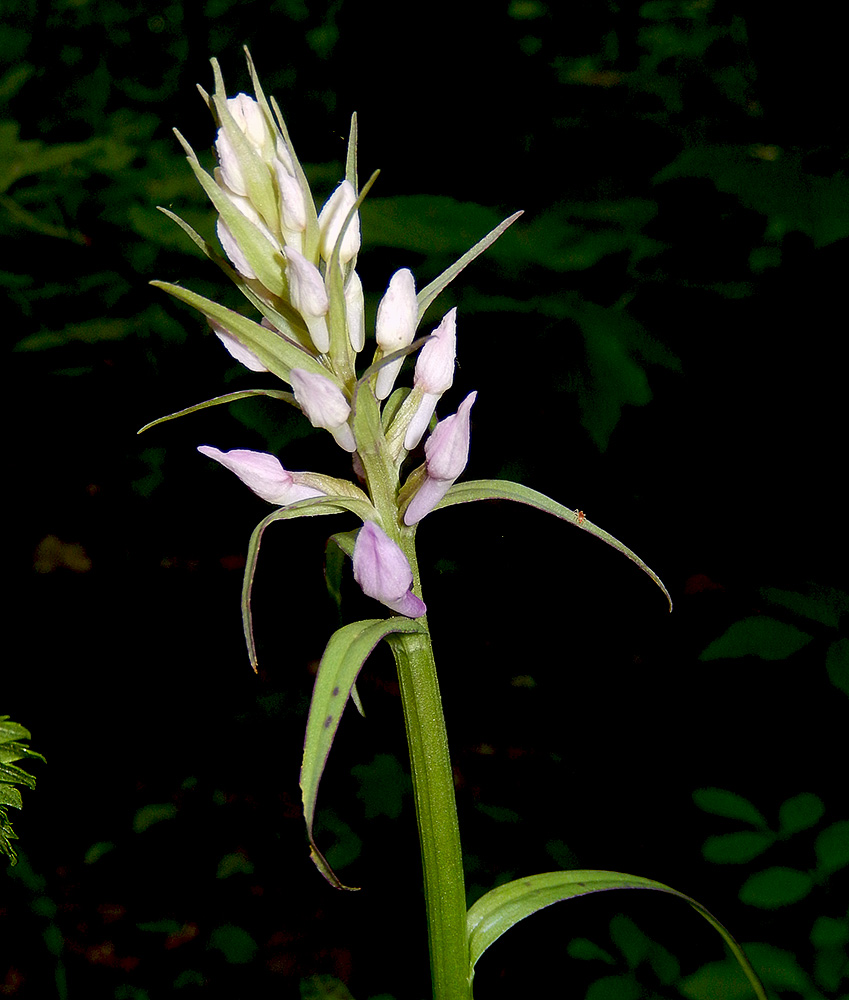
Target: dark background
(658, 341)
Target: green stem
(436, 813)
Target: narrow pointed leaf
(12, 731)
(316, 507)
(16, 775)
(230, 397)
(430, 292)
(287, 321)
(265, 259)
(278, 355)
(347, 650)
(501, 489)
(351, 158)
(506, 905)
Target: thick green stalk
(436, 813)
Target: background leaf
(775, 887)
(764, 637)
(721, 802)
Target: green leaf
(800, 813)
(17, 751)
(276, 352)
(584, 949)
(736, 848)
(315, 507)
(501, 489)
(760, 636)
(230, 397)
(430, 292)
(347, 650)
(823, 604)
(16, 775)
(832, 847)
(155, 812)
(829, 932)
(506, 905)
(621, 987)
(12, 731)
(10, 796)
(326, 988)
(234, 943)
(779, 187)
(778, 969)
(775, 887)
(837, 664)
(721, 802)
(285, 319)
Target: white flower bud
(309, 296)
(293, 210)
(330, 221)
(395, 325)
(235, 348)
(355, 310)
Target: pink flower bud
(434, 375)
(330, 220)
(395, 325)
(382, 571)
(446, 453)
(324, 405)
(264, 474)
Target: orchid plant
(297, 267)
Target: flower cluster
(297, 266)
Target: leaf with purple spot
(348, 649)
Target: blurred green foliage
(13, 746)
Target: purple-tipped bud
(330, 220)
(395, 325)
(434, 375)
(264, 474)
(308, 296)
(446, 455)
(324, 405)
(382, 570)
(235, 347)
